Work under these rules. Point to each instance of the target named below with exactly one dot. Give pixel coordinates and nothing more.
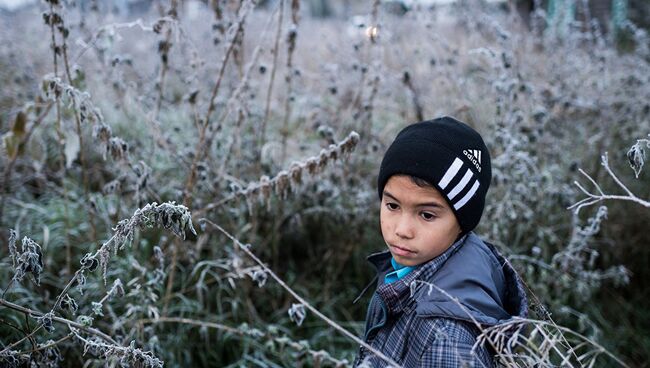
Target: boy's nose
(403, 228)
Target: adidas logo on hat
(474, 156)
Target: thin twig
(36, 313)
(593, 198)
(267, 107)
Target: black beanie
(449, 155)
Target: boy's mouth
(400, 251)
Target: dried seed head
(282, 184)
(334, 151)
(296, 173)
(265, 188)
(118, 148)
(349, 143)
(322, 159)
(312, 165)
(112, 187)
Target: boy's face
(416, 222)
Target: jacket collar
(396, 295)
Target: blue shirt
(400, 271)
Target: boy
(432, 184)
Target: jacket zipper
(382, 319)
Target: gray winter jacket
(417, 325)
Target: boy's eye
(392, 206)
(428, 216)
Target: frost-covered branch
(48, 318)
(170, 216)
(285, 181)
(636, 156)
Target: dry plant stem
(172, 273)
(57, 342)
(518, 320)
(193, 322)
(547, 315)
(161, 79)
(59, 132)
(189, 185)
(419, 116)
(82, 159)
(352, 138)
(291, 47)
(65, 321)
(274, 67)
(593, 198)
(330, 322)
(165, 62)
(202, 146)
(9, 168)
(67, 287)
(236, 95)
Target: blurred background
(244, 112)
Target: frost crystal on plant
(166, 215)
(89, 262)
(68, 303)
(13, 252)
(636, 156)
(29, 261)
(297, 313)
(46, 321)
(260, 277)
(97, 309)
(85, 320)
(128, 356)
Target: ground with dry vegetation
(194, 185)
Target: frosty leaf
(297, 313)
(260, 277)
(97, 308)
(46, 321)
(636, 158)
(13, 252)
(117, 288)
(85, 320)
(72, 146)
(81, 282)
(68, 303)
(29, 261)
(89, 262)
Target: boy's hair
(448, 155)
(420, 182)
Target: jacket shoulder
(470, 286)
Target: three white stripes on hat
(450, 175)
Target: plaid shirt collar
(396, 295)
